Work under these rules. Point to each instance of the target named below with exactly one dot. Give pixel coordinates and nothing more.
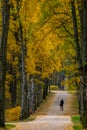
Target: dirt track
(54, 119)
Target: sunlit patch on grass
(77, 127)
(77, 124)
(9, 126)
(76, 119)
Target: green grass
(77, 124)
(7, 127)
(77, 127)
(76, 119)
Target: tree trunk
(24, 110)
(45, 89)
(76, 37)
(82, 64)
(28, 95)
(12, 90)
(33, 96)
(39, 94)
(84, 57)
(12, 84)
(44, 92)
(3, 47)
(78, 54)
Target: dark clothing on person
(61, 104)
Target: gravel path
(55, 108)
(54, 120)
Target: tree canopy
(39, 39)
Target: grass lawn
(77, 124)
(7, 127)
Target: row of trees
(40, 39)
(81, 54)
(27, 56)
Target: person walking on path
(61, 104)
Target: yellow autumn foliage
(52, 87)
(12, 114)
(70, 83)
(46, 44)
